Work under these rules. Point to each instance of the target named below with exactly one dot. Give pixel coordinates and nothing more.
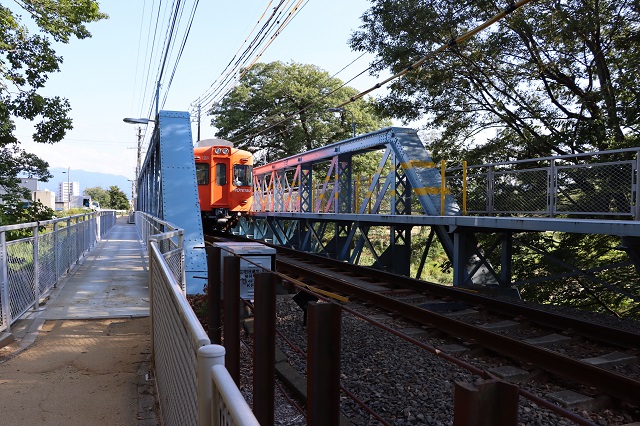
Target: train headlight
(217, 150)
(225, 151)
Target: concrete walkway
(83, 357)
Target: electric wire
(183, 44)
(150, 53)
(238, 137)
(280, 18)
(290, 15)
(454, 41)
(241, 60)
(238, 51)
(135, 78)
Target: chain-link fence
(593, 184)
(170, 244)
(31, 266)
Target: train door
(204, 185)
(221, 183)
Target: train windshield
(202, 173)
(242, 175)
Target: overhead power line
(454, 41)
(279, 19)
(512, 7)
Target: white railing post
(636, 198)
(36, 270)
(69, 248)
(4, 283)
(553, 187)
(208, 356)
(56, 254)
(98, 234)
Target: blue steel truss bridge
(488, 219)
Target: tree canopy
(112, 198)
(554, 77)
(282, 109)
(98, 194)
(117, 199)
(26, 60)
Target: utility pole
(198, 122)
(139, 163)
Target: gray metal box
(251, 255)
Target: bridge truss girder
(323, 210)
(413, 185)
(168, 190)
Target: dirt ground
(80, 372)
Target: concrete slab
(548, 340)
(570, 399)
(453, 349)
(510, 373)
(575, 400)
(502, 325)
(611, 359)
(443, 307)
(462, 314)
(414, 332)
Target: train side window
(221, 174)
(202, 173)
(242, 175)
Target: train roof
(213, 142)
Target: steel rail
(616, 385)
(602, 333)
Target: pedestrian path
(83, 356)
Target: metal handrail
(31, 267)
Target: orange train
(225, 183)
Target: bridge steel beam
(287, 186)
(326, 209)
(168, 189)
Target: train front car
(225, 183)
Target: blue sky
(101, 76)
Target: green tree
(117, 199)
(26, 60)
(552, 78)
(282, 109)
(15, 210)
(98, 194)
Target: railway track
(455, 312)
(584, 358)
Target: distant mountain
(86, 180)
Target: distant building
(67, 190)
(46, 197)
(30, 183)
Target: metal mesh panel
(175, 262)
(46, 262)
(595, 188)
(595, 184)
(175, 354)
(20, 273)
(520, 191)
(64, 260)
